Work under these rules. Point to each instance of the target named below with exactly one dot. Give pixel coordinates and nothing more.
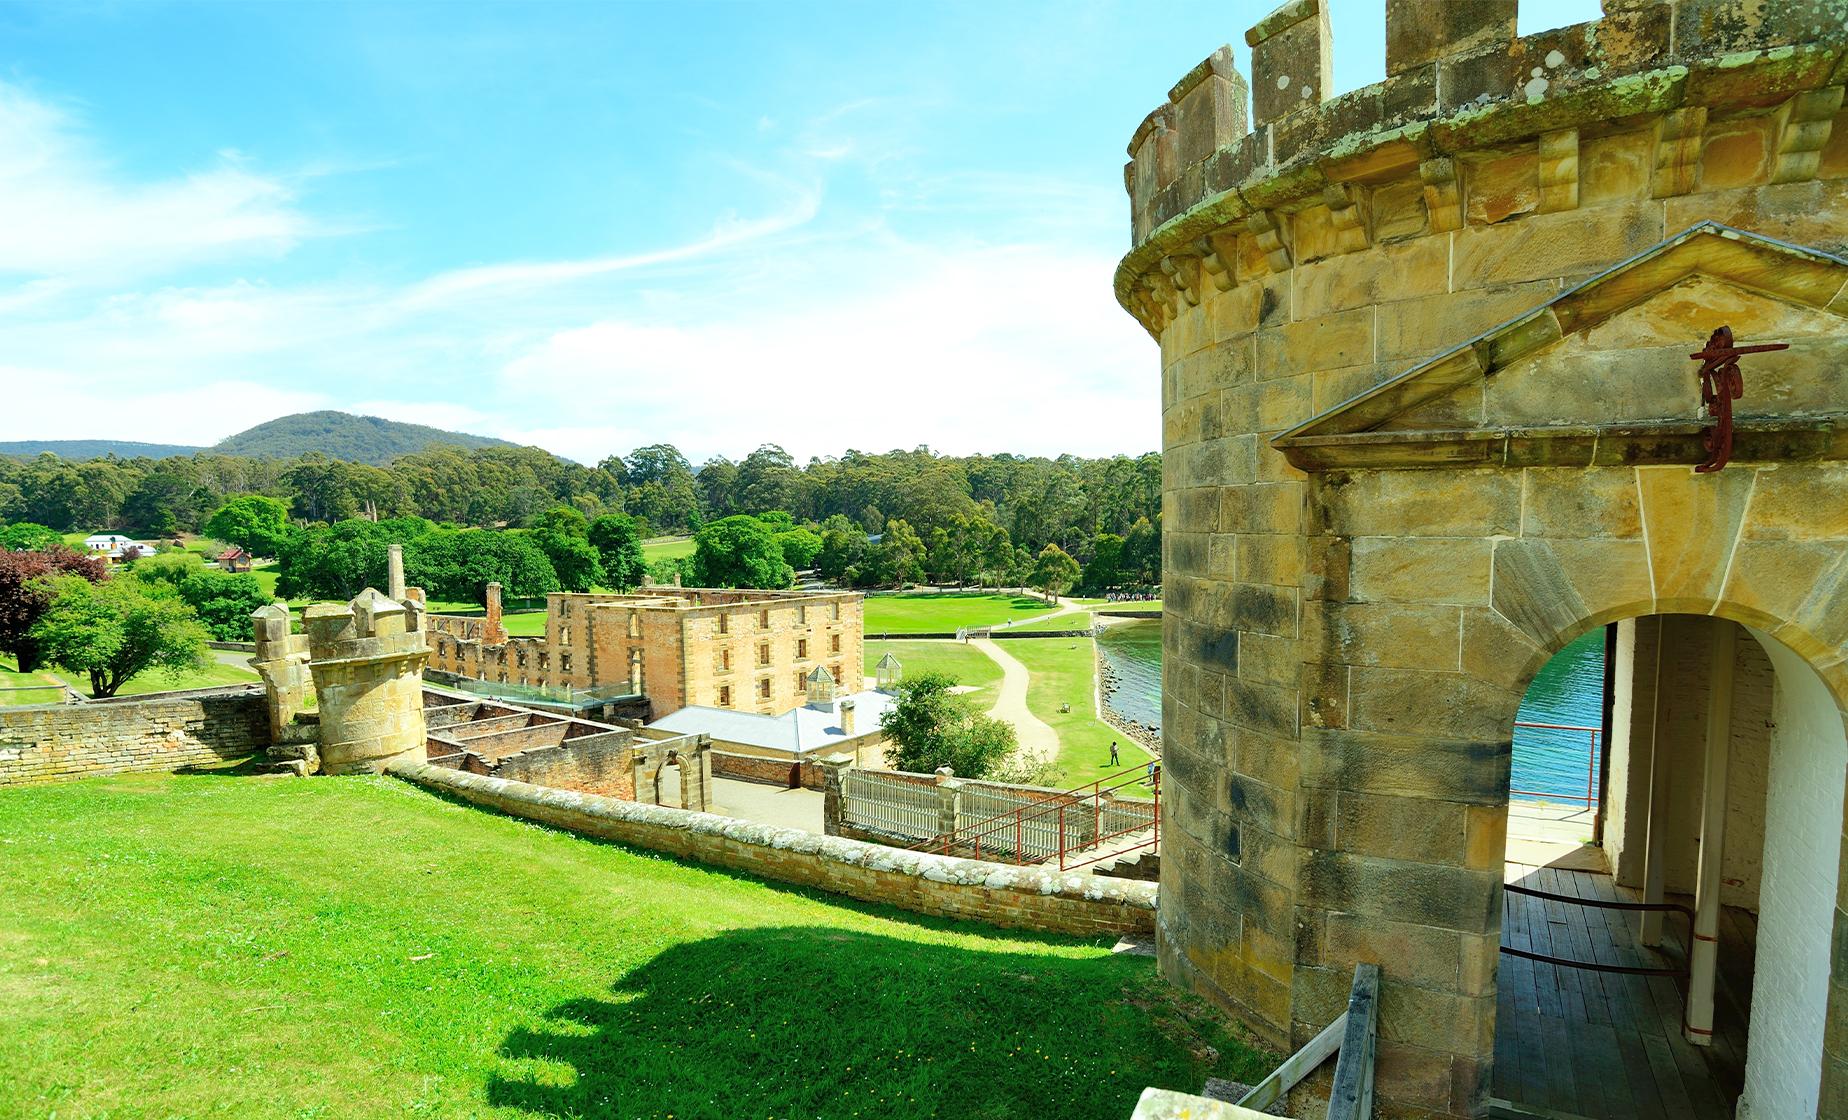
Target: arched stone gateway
(1429, 414)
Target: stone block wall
(1362, 572)
(1020, 898)
(601, 764)
(160, 732)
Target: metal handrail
(1602, 904)
(1055, 806)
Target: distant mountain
(342, 435)
(95, 448)
(338, 435)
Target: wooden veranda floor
(1572, 1042)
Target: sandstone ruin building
(741, 650)
(1430, 414)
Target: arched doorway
(1719, 787)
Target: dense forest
(948, 518)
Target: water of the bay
(1568, 690)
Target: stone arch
(1804, 839)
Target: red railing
(1590, 797)
(989, 838)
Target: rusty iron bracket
(1721, 384)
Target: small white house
(113, 546)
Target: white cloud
(1017, 348)
(815, 326)
(68, 214)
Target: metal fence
(988, 821)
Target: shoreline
(1146, 736)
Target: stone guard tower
(1429, 415)
(365, 659)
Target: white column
(1649, 924)
(1704, 957)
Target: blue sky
(595, 226)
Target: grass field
(666, 548)
(1064, 672)
(211, 676)
(969, 666)
(944, 613)
(211, 944)
(1134, 605)
(1068, 620)
(527, 624)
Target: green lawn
(969, 666)
(1069, 620)
(527, 624)
(944, 613)
(218, 945)
(1134, 605)
(666, 548)
(211, 676)
(1063, 672)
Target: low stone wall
(602, 764)
(1023, 898)
(160, 732)
(784, 772)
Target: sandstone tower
(1429, 415)
(367, 659)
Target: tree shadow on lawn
(816, 1022)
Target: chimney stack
(492, 632)
(847, 718)
(394, 579)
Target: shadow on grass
(247, 766)
(818, 1022)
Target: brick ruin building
(1429, 415)
(745, 650)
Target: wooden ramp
(1578, 1043)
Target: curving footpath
(1037, 738)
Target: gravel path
(1037, 738)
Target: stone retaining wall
(1023, 898)
(161, 732)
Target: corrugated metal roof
(798, 732)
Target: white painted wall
(1802, 849)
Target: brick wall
(752, 768)
(589, 764)
(162, 732)
(1023, 898)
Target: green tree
(898, 558)
(618, 542)
(1104, 569)
(1054, 572)
(800, 547)
(116, 629)
(254, 522)
(25, 592)
(929, 726)
(563, 534)
(24, 536)
(739, 551)
(223, 600)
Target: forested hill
(344, 436)
(78, 449)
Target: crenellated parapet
(367, 658)
(1473, 125)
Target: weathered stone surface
(1397, 635)
(1470, 771)
(1390, 272)
(1548, 245)
(1533, 593)
(1692, 522)
(1419, 503)
(1450, 705)
(1418, 32)
(1421, 570)
(1291, 65)
(1579, 503)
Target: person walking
(1114, 761)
